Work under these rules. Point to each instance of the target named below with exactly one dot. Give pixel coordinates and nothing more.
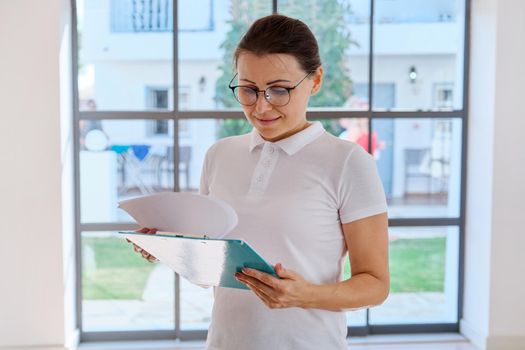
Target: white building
(126, 55)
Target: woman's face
(261, 72)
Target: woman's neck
(289, 133)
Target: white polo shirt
(291, 197)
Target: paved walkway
(156, 310)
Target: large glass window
(122, 159)
(419, 50)
(419, 164)
(424, 273)
(205, 57)
(120, 290)
(151, 81)
(344, 24)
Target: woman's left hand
(292, 290)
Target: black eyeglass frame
(257, 91)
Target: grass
(416, 265)
(120, 273)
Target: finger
(261, 296)
(255, 283)
(152, 259)
(268, 300)
(270, 303)
(262, 276)
(137, 248)
(142, 230)
(145, 254)
(152, 231)
(285, 273)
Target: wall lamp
(412, 74)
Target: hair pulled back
(281, 34)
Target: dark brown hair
(281, 34)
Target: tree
(328, 21)
(243, 13)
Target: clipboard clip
(193, 236)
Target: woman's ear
(318, 80)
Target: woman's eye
(278, 91)
(246, 90)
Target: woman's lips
(267, 121)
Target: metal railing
(156, 16)
(143, 16)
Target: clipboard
(202, 260)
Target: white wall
(494, 286)
(479, 178)
(35, 181)
(508, 283)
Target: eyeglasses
(277, 96)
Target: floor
(394, 342)
(413, 346)
(419, 346)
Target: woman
(304, 199)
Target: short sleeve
(360, 191)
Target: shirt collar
(291, 144)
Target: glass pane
(125, 54)
(416, 73)
(208, 34)
(195, 137)
(121, 159)
(342, 31)
(121, 291)
(424, 264)
(354, 130)
(356, 318)
(419, 161)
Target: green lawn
(120, 273)
(416, 265)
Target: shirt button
(259, 178)
(270, 150)
(266, 163)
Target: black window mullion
(370, 103)
(76, 165)
(175, 157)
(464, 145)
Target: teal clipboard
(202, 260)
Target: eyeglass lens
(276, 96)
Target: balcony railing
(141, 16)
(144, 16)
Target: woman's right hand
(141, 251)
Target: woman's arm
(367, 242)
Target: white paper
(182, 213)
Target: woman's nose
(262, 105)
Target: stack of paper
(190, 238)
(184, 213)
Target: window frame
(178, 115)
